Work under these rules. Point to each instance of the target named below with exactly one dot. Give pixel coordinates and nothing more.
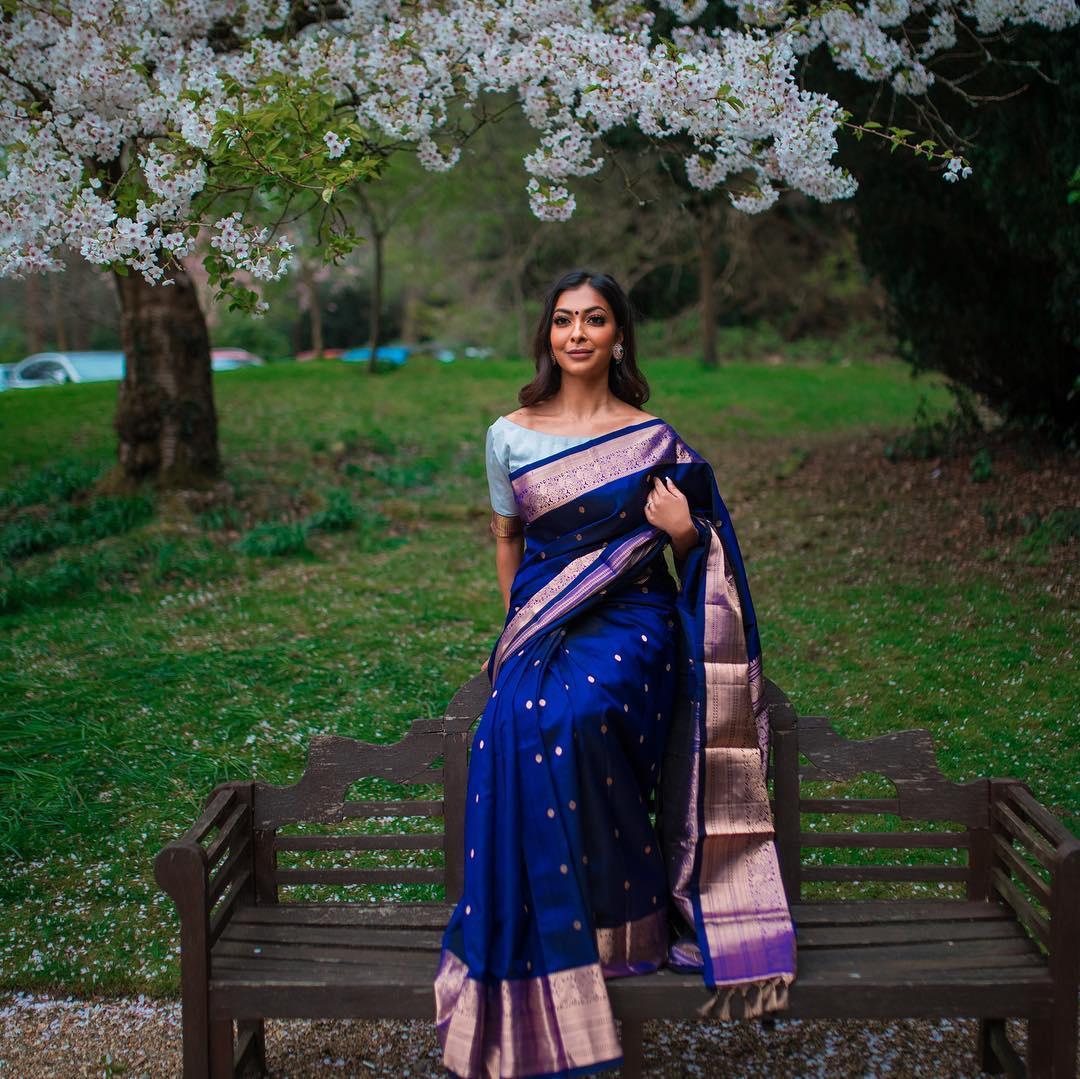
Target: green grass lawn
(146, 658)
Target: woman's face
(583, 331)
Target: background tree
(126, 127)
(983, 277)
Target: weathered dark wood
(886, 840)
(404, 875)
(995, 1053)
(786, 815)
(885, 872)
(1022, 906)
(250, 1058)
(220, 917)
(906, 759)
(228, 833)
(264, 861)
(1061, 1023)
(1023, 833)
(1038, 815)
(456, 769)
(408, 808)
(631, 1034)
(180, 869)
(217, 807)
(873, 911)
(388, 915)
(853, 806)
(220, 1048)
(831, 936)
(257, 957)
(335, 764)
(373, 962)
(420, 841)
(1021, 870)
(236, 869)
(980, 860)
(345, 936)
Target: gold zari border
(503, 526)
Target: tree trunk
(311, 287)
(521, 315)
(707, 282)
(165, 415)
(376, 295)
(35, 334)
(410, 314)
(59, 314)
(79, 304)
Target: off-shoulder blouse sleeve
(505, 520)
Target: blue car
(58, 368)
(394, 355)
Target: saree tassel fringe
(749, 1000)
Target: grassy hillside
(148, 650)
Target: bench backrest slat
(808, 750)
(297, 841)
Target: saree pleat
(609, 679)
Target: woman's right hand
(483, 666)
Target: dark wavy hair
(624, 379)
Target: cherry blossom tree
(128, 129)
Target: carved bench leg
(994, 1051)
(251, 1049)
(221, 1049)
(632, 1047)
(984, 1048)
(1052, 1044)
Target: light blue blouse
(510, 446)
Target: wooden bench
(1007, 945)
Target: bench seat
(856, 959)
(1003, 941)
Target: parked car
(326, 354)
(228, 359)
(394, 355)
(57, 368)
(438, 350)
(447, 352)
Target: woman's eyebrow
(566, 310)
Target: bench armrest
(196, 874)
(1018, 819)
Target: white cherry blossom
(116, 115)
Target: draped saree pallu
(610, 680)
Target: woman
(609, 679)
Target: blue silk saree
(612, 682)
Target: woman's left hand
(666, 507)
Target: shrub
(27, 535)
(338, 515)
(54, 483)
(273, 538)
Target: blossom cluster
(110, 109)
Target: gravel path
(49, 1036)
